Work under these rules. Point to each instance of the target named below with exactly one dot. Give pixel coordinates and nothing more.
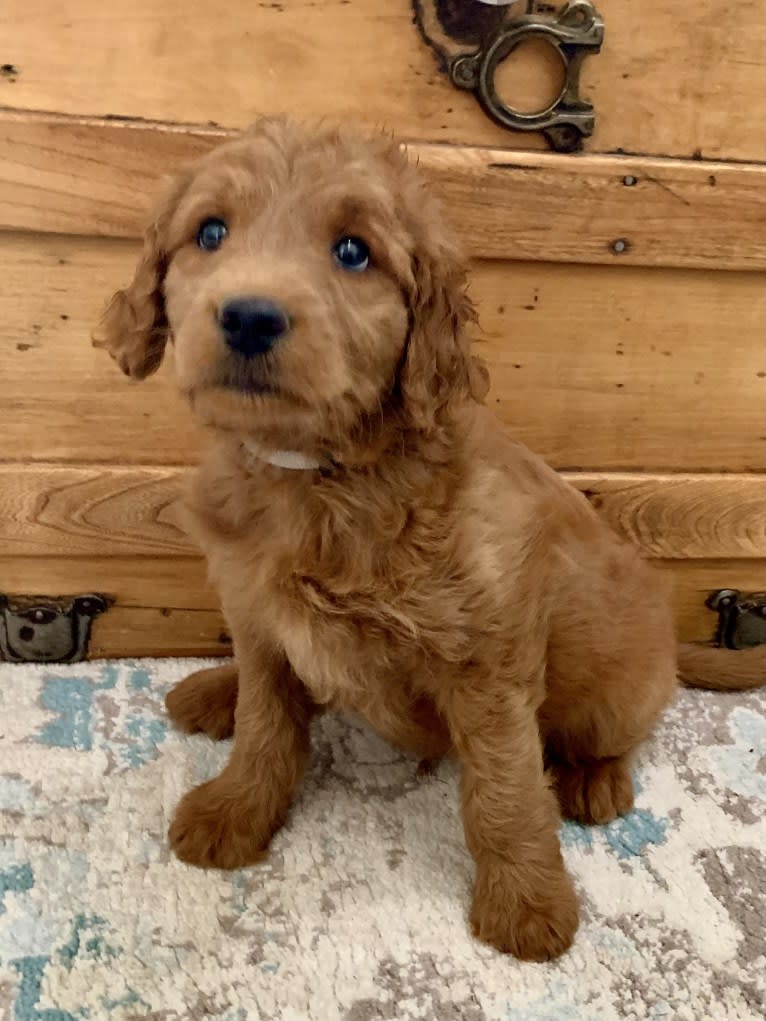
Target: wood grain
(149, 583)
(76, 511)
(89, 177)
(138, 631)
(683, 516)
(605, 210)
(62, 400)
(671, 79)
(166, 608)
(363, 60)
(115, 511)
(83, 176)
(631, 370)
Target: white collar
(291, 459)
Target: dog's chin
(268, 413)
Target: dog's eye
(211, 234)
(351, 253)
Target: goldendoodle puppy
(379, 543)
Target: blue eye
(351, 253)
(211, 234)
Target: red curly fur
(433, 575)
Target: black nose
(252, 325)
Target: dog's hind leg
(592, 730)
(609, 676)
(593, 792)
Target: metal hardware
(573, 32)
(38, 629)
(741, 618)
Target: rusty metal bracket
(741, 618)
(38, 629)
(573, 33)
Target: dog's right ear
(134, 328)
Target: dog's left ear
(438, 366)
(134, 329)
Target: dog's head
(309, 288)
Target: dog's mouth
(246, 378)
(254, 389)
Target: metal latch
(494, 32)
(38, 629)
(741, 618)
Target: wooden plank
(366, 60)
(61, 399)
(602, 210)
(163, 607)
(632, 370)
(101, 511)
(90, 177)
(115, 511)
(683, 516)
(166, 608)
(82, 176)
(148, 583)
(671, 76)
(136, 631)
(165, 62)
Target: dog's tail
(703, 666)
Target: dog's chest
(360, 602)
(331, 669)
(379, 621)
(341, 648)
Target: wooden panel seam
(96, 177)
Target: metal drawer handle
(741, 618)
(573, 33)
(44, 630)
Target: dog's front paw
(212, 828)
(205, 702)
(533, 924)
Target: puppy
(380, 545)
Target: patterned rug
(360, 912)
